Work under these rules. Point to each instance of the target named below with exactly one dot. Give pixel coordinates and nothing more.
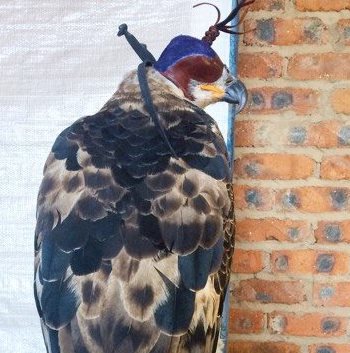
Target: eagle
(134, 233)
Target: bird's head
(194, 67)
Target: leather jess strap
(151, 109)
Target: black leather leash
(151, 109)
(147, 61)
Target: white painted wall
(60, 60)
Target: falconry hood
(193, 65)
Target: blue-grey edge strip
(230, 147)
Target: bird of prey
(134, 239)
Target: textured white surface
(60, 60)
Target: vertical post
(233, 68)
(230, 148)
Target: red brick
(326, 134)
(309, 262)
(262, 347)
(322, 5)
(314, 199)
(247, 261)
(333, 232)
(329, 348)
(311, 325)
(246, 134)
(250, 133)
(279, 292)
(268, 5)
(245, 196)
(336, 167)
(274, 166)
(255, 230)
(340, 100)
(272, 100)
(343, 28)
(310, 30)
(332, 294)
(262, 65)
(246, 321)
(325, 66)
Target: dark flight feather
(196, 267)
(174, 315)
(50, 339)
(58, 302)
(54, 261)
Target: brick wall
(291, 282)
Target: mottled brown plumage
(133, 246)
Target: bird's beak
(236, 93)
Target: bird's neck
(164, 92)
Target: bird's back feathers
(129, 240)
